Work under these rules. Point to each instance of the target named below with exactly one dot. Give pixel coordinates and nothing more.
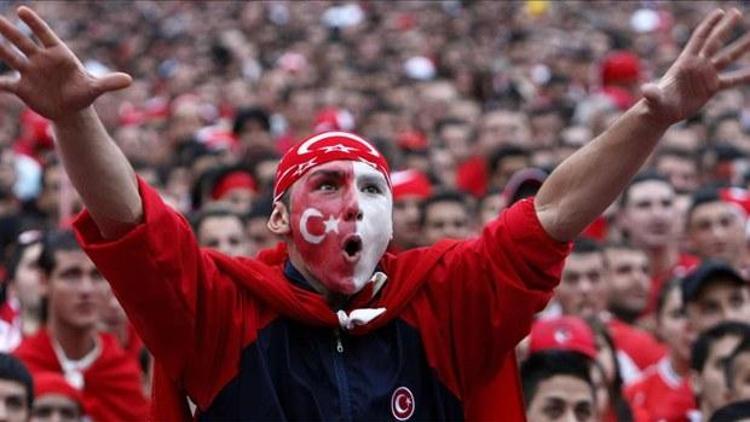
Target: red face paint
(341, 223)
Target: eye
(372, 189)
(327, 186)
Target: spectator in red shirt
(716, 228)
(664, 392)
(91, 361)
(648, 217)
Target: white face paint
(376, 228)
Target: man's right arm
(53, 82)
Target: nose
(585, 285)
(3, 411)
(352, 211)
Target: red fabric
(323, 148)
(737, 196)
(597, 230)
(410, 183)
(472, 175)
(685, 263)
(471, 301)
(640, 346)
(562, 333)
(8, 313)
(657, 397)
(620, 67)
(233, 180)
(112, 384)
(54, 383)
(134, 345)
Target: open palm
(51, 80)
(696, 75)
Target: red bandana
(322, 148)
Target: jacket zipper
(342, 382)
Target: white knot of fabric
(358, 317)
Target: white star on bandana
(301, 168)
(338, 147)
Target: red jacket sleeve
(482, 296)
(164, 282)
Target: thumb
(652, 93)
(112, 82)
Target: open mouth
(352, 247)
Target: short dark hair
(251, 114)
(584, 245)
(505, 152)
(702, 196)
(645, 176)
(729, 369)
(444, 196)
(25, 240)
(56, 241)
(541, 366)
(666, 289)
(701, 347)
(13, 369)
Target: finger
(14, 35)
(699, 37)
(732, 52)
(735, 78)
(9, 83)
(39, 27)
(720, 33)
(12, 57)
(112, 82)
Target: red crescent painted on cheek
(316, 234)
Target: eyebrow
(378, 178)
(326, 173)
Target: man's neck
(75, 342)
(662, 258)
(335, 301)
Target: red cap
(563, 333)
(737, 196)
(53, 383)
(234, 180)
(412, 140)
(410, 183)
(621, 67)
(331, 118)
(322, 148)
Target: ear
(278, 222)
(695, 380)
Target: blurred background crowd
(473, 103)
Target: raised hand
(51, 80)
(697, 75)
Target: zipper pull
(339, 345)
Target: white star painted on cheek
(301, 168)
(332, 224)
(338, 147)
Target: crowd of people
(473, 104)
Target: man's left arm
(586, 183)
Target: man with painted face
(327, 326)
